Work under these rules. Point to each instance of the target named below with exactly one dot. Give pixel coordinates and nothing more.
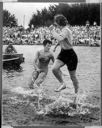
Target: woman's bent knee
(54, 69)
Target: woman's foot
(63, 86)
(30, 84)
(76, 89)
(31, 87)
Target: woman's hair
(45, 42)
(60, 20)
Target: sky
(23, 11)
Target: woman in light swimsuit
(41, 62)
(67, 55)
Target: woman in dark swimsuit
(67, 55)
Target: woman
(41, 62)
(67, 55)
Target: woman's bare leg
(41, 78)
(33, 78)
(56, 70)
(58, 74)
(74, 80)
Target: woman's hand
(38, 70)
(54, 49)
(51, 27)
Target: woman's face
(47, 47)
(56, 25)
(9, 49)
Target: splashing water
(69, 105)
(37, 103)
(64, 104)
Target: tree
(8, 19)
(77, 14)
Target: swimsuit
(67, 55)
(69, 58)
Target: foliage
(9, 20)
(77, 14)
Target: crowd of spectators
(21, 36)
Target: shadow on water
(13, 68)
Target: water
(88, 73)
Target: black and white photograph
(51, 64)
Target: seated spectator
(10, 49)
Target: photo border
(1, 34)
(1, 24)
(101, 58)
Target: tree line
(77, 14)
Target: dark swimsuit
(69, 58)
